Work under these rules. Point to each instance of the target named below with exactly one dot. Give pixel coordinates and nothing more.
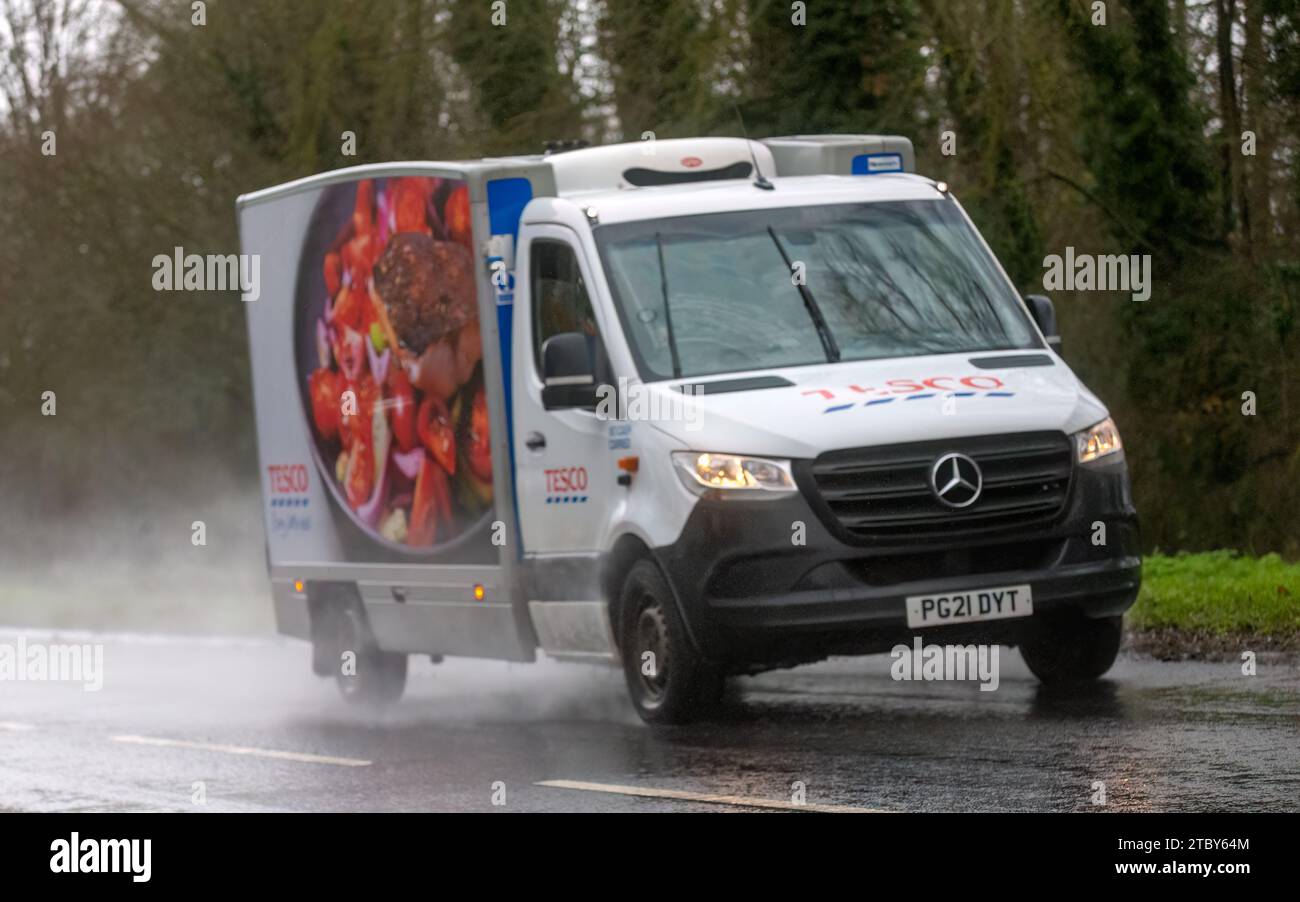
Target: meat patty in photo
(427, 286)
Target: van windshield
(889, 279)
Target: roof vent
(645, 178)
(670, 161)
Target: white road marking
(243, 750)
(16, 727)
(682, 795)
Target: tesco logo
(287, 479)
(566, 479)
(911, 386)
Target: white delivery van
(702, 407)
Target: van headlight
(1096, 442)
(733, 476)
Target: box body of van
(702, 407)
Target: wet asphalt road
(245, 717)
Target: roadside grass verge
(1219, 594)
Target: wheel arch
(627, 550)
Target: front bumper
(753, 598)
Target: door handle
(535, 441)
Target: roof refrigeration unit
(841, 154)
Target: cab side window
(560, 302)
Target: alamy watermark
(1105, 272)
(946, 662)
(102, 856)
(180, 271)
(636, 401)
(50, 662)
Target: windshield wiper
(823, 331)
(668, 313)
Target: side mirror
(568, 372)
(1044, 314)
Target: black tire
(1073, 649)
(380, 676)
(676, 685)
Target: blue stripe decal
(506, 199)
(834, 409)
(919, 397)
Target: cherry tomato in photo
(324, 391)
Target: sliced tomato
(359, 478)
(408, 204)
(368, 395)
(477, 449)
(341, 404)
(359, 255)
(323, 387)
(427, 506)
(456, 216)
(401, 408)
(362, 212)
(442, 495)
(434, 428)
(351, 306)
(333, 273)
(355, 413)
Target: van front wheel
(667, 678)
(1073, 649)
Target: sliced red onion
(409, 461)
(329, 309)
(378, 363)
(383, 205)
(374, 506)
(323, 352)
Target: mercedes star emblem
(956, 480)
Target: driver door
(566, 474)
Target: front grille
(884, 493)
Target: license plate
(970, 606)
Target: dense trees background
(1117, 138)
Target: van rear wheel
(669, 681)
(372, 676)
(1072, 649)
